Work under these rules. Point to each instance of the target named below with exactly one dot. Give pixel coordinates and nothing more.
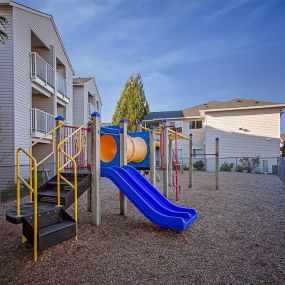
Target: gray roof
(211, 105)
(194, 111)
(243, 103)
(164, 115)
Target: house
(244, 127)
(36, 85)
(86, 99)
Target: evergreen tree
(3, 24)
(132, 104)
(283, 150)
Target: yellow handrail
(52, 133)
(33, 190)
(61, 167)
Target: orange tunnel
(136, 148)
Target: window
(197, 152)
(98, 106)
(195, 125)
(178, 125)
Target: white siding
(80, 94)
(7, 154)
(260, 134)
(43, 103)
(78, 114)
(24, 23)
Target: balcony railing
(63, 87)
(41, 69)
(41, 122)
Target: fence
(8, 183)
(281, 169)
(231, 164)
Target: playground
(237, 239)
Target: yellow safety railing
(33, 187)
(33, 180)
(80, 145)
(53, 136)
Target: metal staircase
(54, 223)
(45, 221)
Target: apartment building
(244, 128)
(86, 99)
(36, 85)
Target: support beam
(123, 161)
(95, 169)
(89, 162)
(152, 156)
(190, 161)
(166, 160)
(217, 163)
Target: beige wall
(7, 154)
(260, 134)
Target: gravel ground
(239, 238)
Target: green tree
(132, 104)
(283, 149)
(3, 24)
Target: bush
(250, 163)
(239, 168)
(227, 167)
(199, 165)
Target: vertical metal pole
(89, 162)
(95, 169)
(152, 156)
(123, 161)
(217, 163)
(165, 166)
(170, 163)
(190, 161)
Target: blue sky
(188, 52)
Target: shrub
(239, 168)
(227, 167)
(199, 165)
(250, 163)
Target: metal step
(53, 227)
(53, 234)
(27, 210)
(50, 196)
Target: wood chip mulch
(239, 238)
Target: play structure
(83, 155)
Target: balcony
(63, 88)
(44, 74)
(41, 123)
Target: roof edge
(34, 11)
(243, 108)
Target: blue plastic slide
(148, 200)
